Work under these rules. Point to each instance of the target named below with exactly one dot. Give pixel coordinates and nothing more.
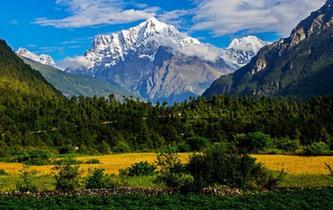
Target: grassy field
(301, 171)
(293, 165)
(281, 200)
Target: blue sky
(65, 28)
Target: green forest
(103, 125)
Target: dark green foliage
(67, 176)
(319, 148)
(97, 179)
(93, 161)
(255, 142)
(223, 164)
(67, 160)
(66, 149)
(33, 157)
(197, 143)
(18, 79)
(172, 172)
(121, 147)
(283, 200)
(286, 144)
(104, 148)
(139, 169)
(25, 182)
(3, 172)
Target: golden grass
(294, 165)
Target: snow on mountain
(242, 50)
(247, 43)
(159, 62)
(108, 50)
(43, 59)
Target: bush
(197, 143)
(3, 172)
(319, 148)
(139, 169)
(67, 176)
(34, 157)
(93, 161)
(68, 160)
(25, 182)
(172, 172)
(287, 144)
(255, 142)
(104, 148)
(121, 147)
(97, 179)
(224, 165)
(66, 149)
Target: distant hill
(300, 65)
(76, 85)
(17, 78)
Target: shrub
(3, 172)
(224, 165)
(121, 147)
(68, 160)
(172, 172)
(93, 161)
(25, 182)
(255, 142)
(34, 157)
(287, 144)
(319, 148)
(197, 143)
(104, 148)
(97, 179)
(330, 170)
(66, 149)
(139, 169)
(67, 176)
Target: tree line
(103, 125)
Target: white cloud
(97, 12)
(223, 17)
(175, 17)
(77, 62)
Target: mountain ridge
(159, 62)
(290, 67)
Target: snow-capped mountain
(43, 59)
(159, 62)
(242, 50)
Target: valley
(166, 104)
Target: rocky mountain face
(43, 59)
(300, 65)
(160, 63)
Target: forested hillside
(17, 78)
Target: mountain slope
(76, 85)
(17, 78)
(159, 62)
(300, 65)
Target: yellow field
(295, 165)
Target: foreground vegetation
(285, 199)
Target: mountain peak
(318, 21)
(247, 43)
(43, 59)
